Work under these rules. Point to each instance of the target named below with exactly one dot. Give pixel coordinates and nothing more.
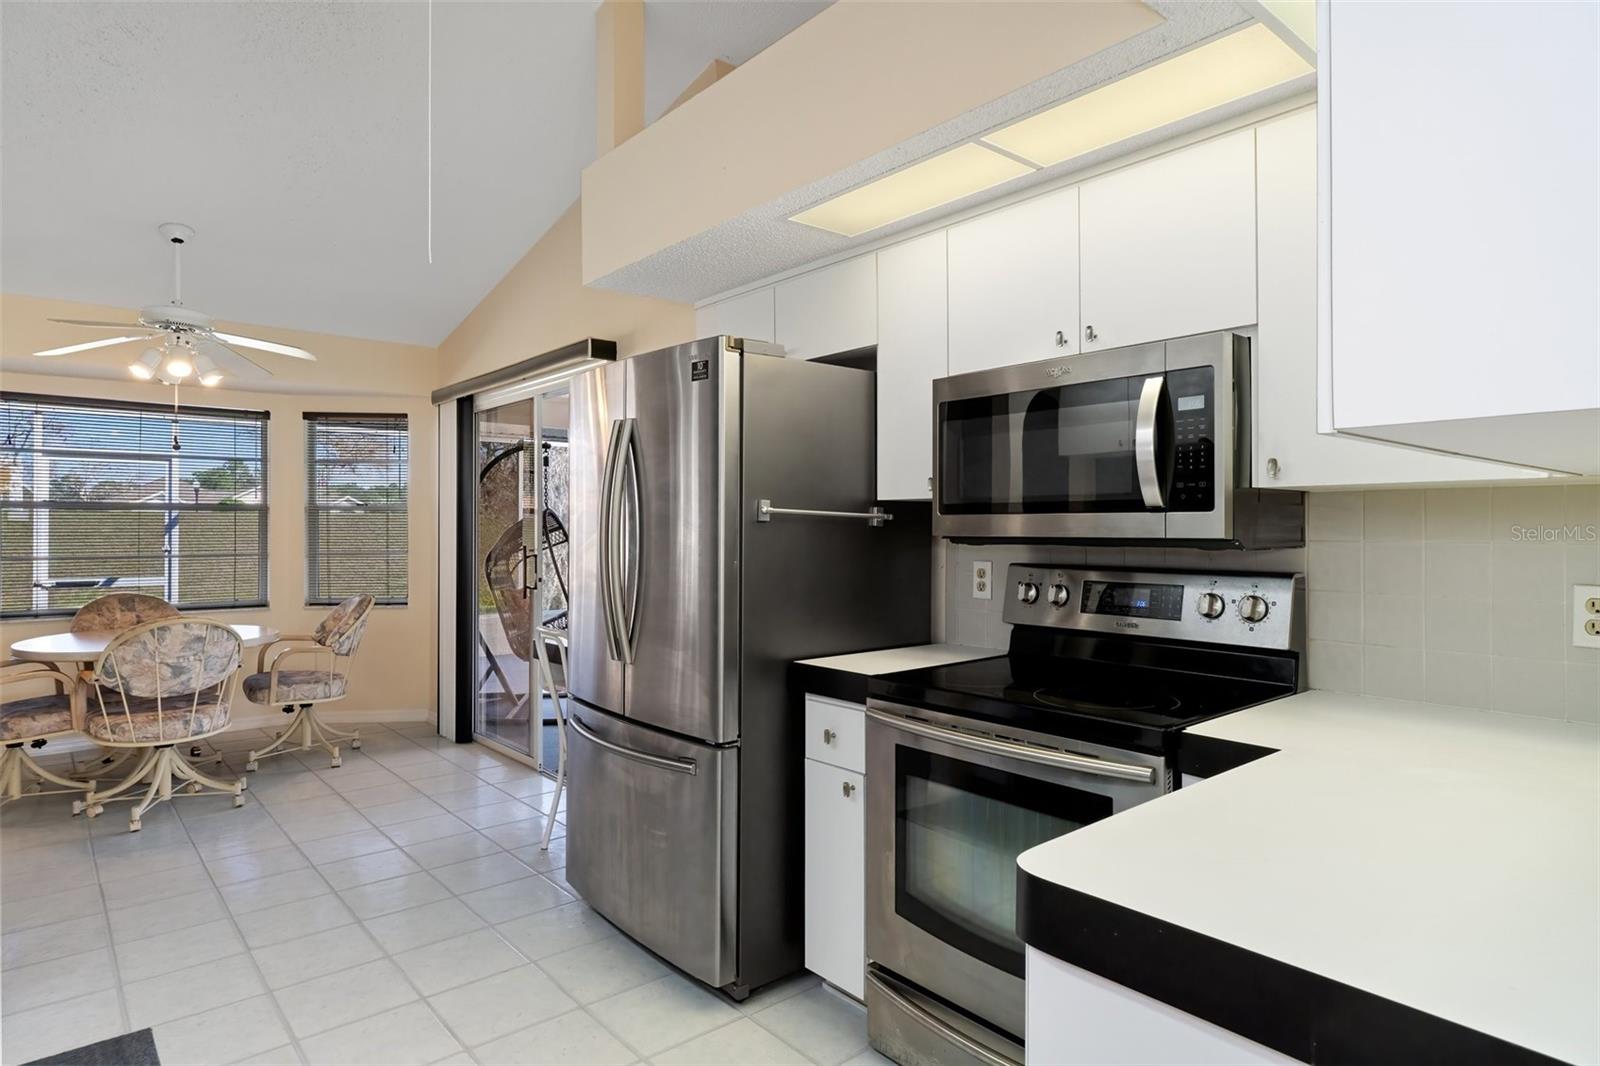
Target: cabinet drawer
(836, 733)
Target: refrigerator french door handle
(630, 617)
(1146, 430)
(662, 762)
(616, 591)
(607, 545)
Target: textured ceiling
(293, 136)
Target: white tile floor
(395, 910)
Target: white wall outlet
(982, 581)
(1586, 616)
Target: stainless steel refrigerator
(688, 603)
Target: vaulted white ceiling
(294, 138)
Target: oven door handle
(1063, 760)
(938, 1025)
(1147, 434)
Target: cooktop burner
(1068, 702)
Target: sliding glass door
(521, 560)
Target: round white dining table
(86, 647)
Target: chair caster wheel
(194, 786)
(335, 763)
(356, 744)
(238, 800)
(134, 825)
(244, 784)
(251, 766)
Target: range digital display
(1133, 600)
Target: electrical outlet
(1586, 616)
(983, 581)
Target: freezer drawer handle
(948, 1032)
(875, 517)
(678, 766)
(1026, 752)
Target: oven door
(949, 809)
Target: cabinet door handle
(1272, 468)
(1089, 334)
(828, 735)
(849, 789)
(1061, 339)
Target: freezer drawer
(651, 822)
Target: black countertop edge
(826, 681)
(1203, 756)
(1294, 1011)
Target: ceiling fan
(189, 345)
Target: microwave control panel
(1194, 482)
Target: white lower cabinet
(835, 851)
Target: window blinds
(95, 498)
(357, 468)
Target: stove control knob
(1252, 608)
(1027, 592)
(1058, 595)
(1211, 605)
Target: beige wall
(541, 304)
(395, 671)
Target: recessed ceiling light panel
(940, 180)
(1218, 72)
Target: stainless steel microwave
(1149, 443)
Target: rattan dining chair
(331, 648)
(29, 721)
(155, 687)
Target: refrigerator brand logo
(1056, 371)
(699, 370)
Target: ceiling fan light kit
(189, 345)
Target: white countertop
(1443, 858)
(893, 660)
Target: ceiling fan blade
(265, 346)
(231, 362)
(104, 325)
(69, 349)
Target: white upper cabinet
(1288, 451)
(1459, 168)
(828, 311)
(1014, 284)
(912, 353)
(748, 315)
(1169, 245)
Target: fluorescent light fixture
(145, 367)
(936, 181)
(1216, 73)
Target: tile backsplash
(1454, 596)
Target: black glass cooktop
(1089, 698)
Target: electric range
(970, 764)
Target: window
(101, 496)
(356, 540)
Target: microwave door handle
(1146, 434)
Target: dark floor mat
(129, 1049)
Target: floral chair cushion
(341, 631)
(119, 611)
(295, 686)
(36, 716)
(168, 658)
(177, 718)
